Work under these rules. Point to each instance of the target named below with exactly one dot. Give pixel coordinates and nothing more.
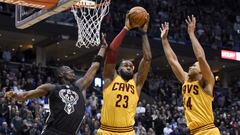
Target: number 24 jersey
(197, 105)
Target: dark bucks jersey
(67, 107)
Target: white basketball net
(89, 15)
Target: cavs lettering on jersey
(197, 106)
(119, 105)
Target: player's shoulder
(108, 81)
(48, 86)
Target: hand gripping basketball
(138, 17)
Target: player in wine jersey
(66, 101)
(122, 87)
(198, 83)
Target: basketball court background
(52, 42)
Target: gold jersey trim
(202, 128)
(116, 129)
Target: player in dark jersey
(66, 102)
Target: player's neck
(125, 77)
(194, 78)
(63, 81)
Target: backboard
(29, 14)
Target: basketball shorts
(51, 131)
(213, 131)
(104, 132)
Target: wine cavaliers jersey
(197, 106)
(120, 100)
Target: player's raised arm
(170, 55)
(111, 57)
(40, 91)
(145, 63)
(84, 82)
(199, 52)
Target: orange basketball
(137, 16)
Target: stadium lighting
(231, 55)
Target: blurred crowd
(22, 118)
(17, 55)
(218, 22)
(159, 113)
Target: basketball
(137, 16)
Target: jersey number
(119, 98)
(188, 103)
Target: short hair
(59, 71)
(125, 60)
(131, 60)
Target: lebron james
(122, 87)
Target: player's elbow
(201, 57)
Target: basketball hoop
(88, 15)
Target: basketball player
(198, 83)
(66, 101)
(122, 87)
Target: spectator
(151, 132)
(140, 109)
(140, 130)
(236, 25)
(167, 130)
(17, 124)
(4, 130)
(94, 102)
(7, 56)
(35, 130)
(4, 112)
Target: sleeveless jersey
(120, 100)
(197, 105)
(67, 107)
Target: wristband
(142, 33)
(104, 46)
(98, 58)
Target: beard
(125, 76)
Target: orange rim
(84, 5)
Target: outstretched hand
(164, 30)
(191, 22)
(10, 95)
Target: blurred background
(29, 57)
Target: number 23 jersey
(120, 100)
(197, 105)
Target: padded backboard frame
(40, 15)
